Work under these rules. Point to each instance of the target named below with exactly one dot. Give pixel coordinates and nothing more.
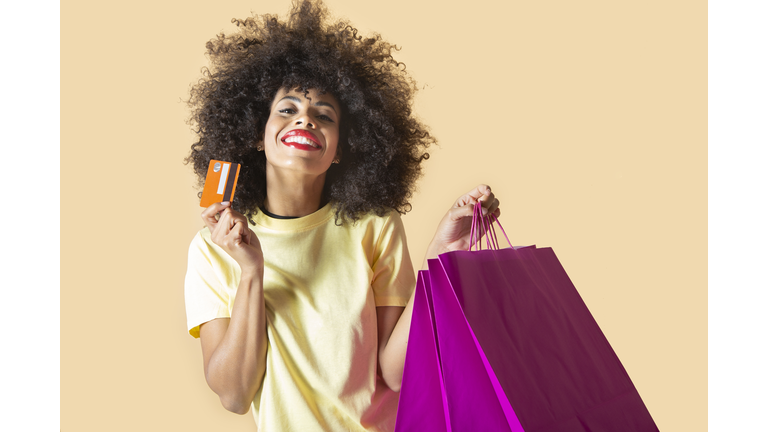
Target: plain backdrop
(588, 119)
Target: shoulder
(388, 221)
(203, 250)
(385, 230)
(388, 216)
(201, 242)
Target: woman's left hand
(453, 231)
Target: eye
(287, 111)
(325, 118)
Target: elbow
(395, 387)
(393, 380)
(234, 401)
(235, 405)
(391, 371)
(234, 397)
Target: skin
(295, 177)
(234, 349)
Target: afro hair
(382, 143)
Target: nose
(304, 120)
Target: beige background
(588, 119)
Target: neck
(292, 194)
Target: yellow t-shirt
(322, 283)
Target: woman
(300, 290)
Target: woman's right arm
(235, 349)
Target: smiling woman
(302, 134)
(303, 317)
(382, 143)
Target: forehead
(311, 96)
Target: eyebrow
(318, 103)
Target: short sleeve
(393, 276)
(205, 285)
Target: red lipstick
(301, 139)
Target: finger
(232, 238)
(241, 225)
(237, 233)
(490, 206)
(246, 234)
(223, 226)
(230, 241)
(471, 196)
(460, 212)
(481, 192)
(226, 218)
(209, 214)
(489, 203)
(233, 219)
(487, 200)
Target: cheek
(270, 131)
(333, 141)
(333, 150)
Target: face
(302, 132)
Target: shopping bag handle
(483, 226)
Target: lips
(301, 139)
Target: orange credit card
(220, 182)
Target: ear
(260, 145)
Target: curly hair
(382, 143)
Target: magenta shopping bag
(518, 350)
(425, 408)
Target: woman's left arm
(394, 323)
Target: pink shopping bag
(518, 350)
(425, 408)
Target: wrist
(433, 250)
(251, 274)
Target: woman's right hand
(231, 233)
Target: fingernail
(225, 203)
